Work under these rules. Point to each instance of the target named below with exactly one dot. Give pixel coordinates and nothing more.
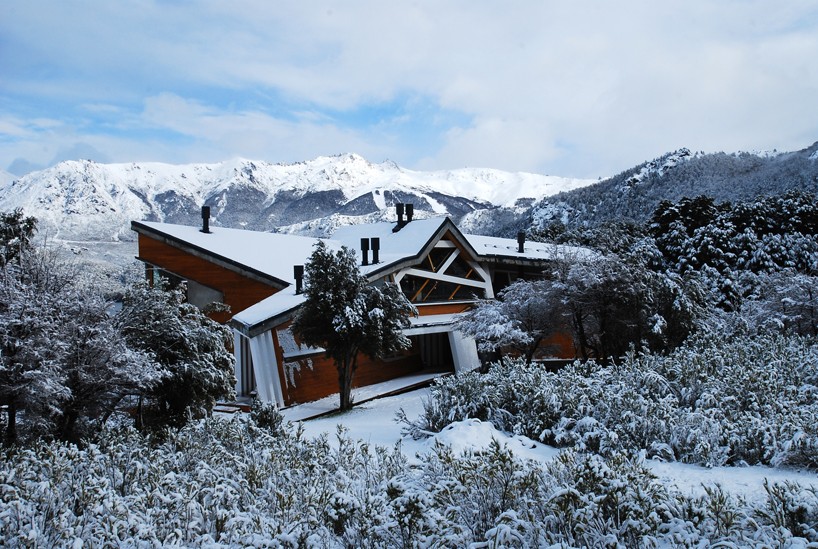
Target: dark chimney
(364, 251)
(376, 246)
(205, 219)
(401, 222)
(410, 212)
(521, 241)
(298, 273)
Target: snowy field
(375, 422)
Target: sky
(576, 89)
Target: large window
(427, 290)
(444, 275)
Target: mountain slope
(83, 200)
(634, 194)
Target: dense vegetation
(77, 347)
(232, 483)
(714, 401)
(699, 330)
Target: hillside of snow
(84, 200)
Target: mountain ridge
(634, 194)
(85, 200)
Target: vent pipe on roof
(521, 241)
(376, 246)
(298, 274)
(364, 251)
(400, 209)
(205, 219)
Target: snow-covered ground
(374, 421)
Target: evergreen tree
(16, 234)
(345, 315)
(192, 349)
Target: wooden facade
(442, 274)
(239, 291)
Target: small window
(201, 295)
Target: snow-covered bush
(605, 500)
(713, 402)
(229, 483)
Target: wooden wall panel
(317, 377)
(239, 291)
(443, 308)
(559, 346)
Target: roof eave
(446, 224)
(252, 330)
(517, 261)
(203, 253)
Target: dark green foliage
(734, 248)
(267, 416)
(192, 350)
(345, 315)
(696, 233)
(16, 234)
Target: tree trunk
(345, 373)
(579, 326)
(532, 350)
(11, 428)
(138, 421)
(67, 426)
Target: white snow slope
(374, 421)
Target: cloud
(581, 89)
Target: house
(441, 270)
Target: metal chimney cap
(205, 219)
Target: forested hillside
(635, 193)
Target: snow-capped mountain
(634, 194)
(84, 200)
(5, 178)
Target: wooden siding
(239, 291)
(305, 379)
(308, 379)
(443, 308)
(559, 345)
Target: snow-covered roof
(273, 255)
(265, 313)
(492, 246)
(267, 254)
(395, 247)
